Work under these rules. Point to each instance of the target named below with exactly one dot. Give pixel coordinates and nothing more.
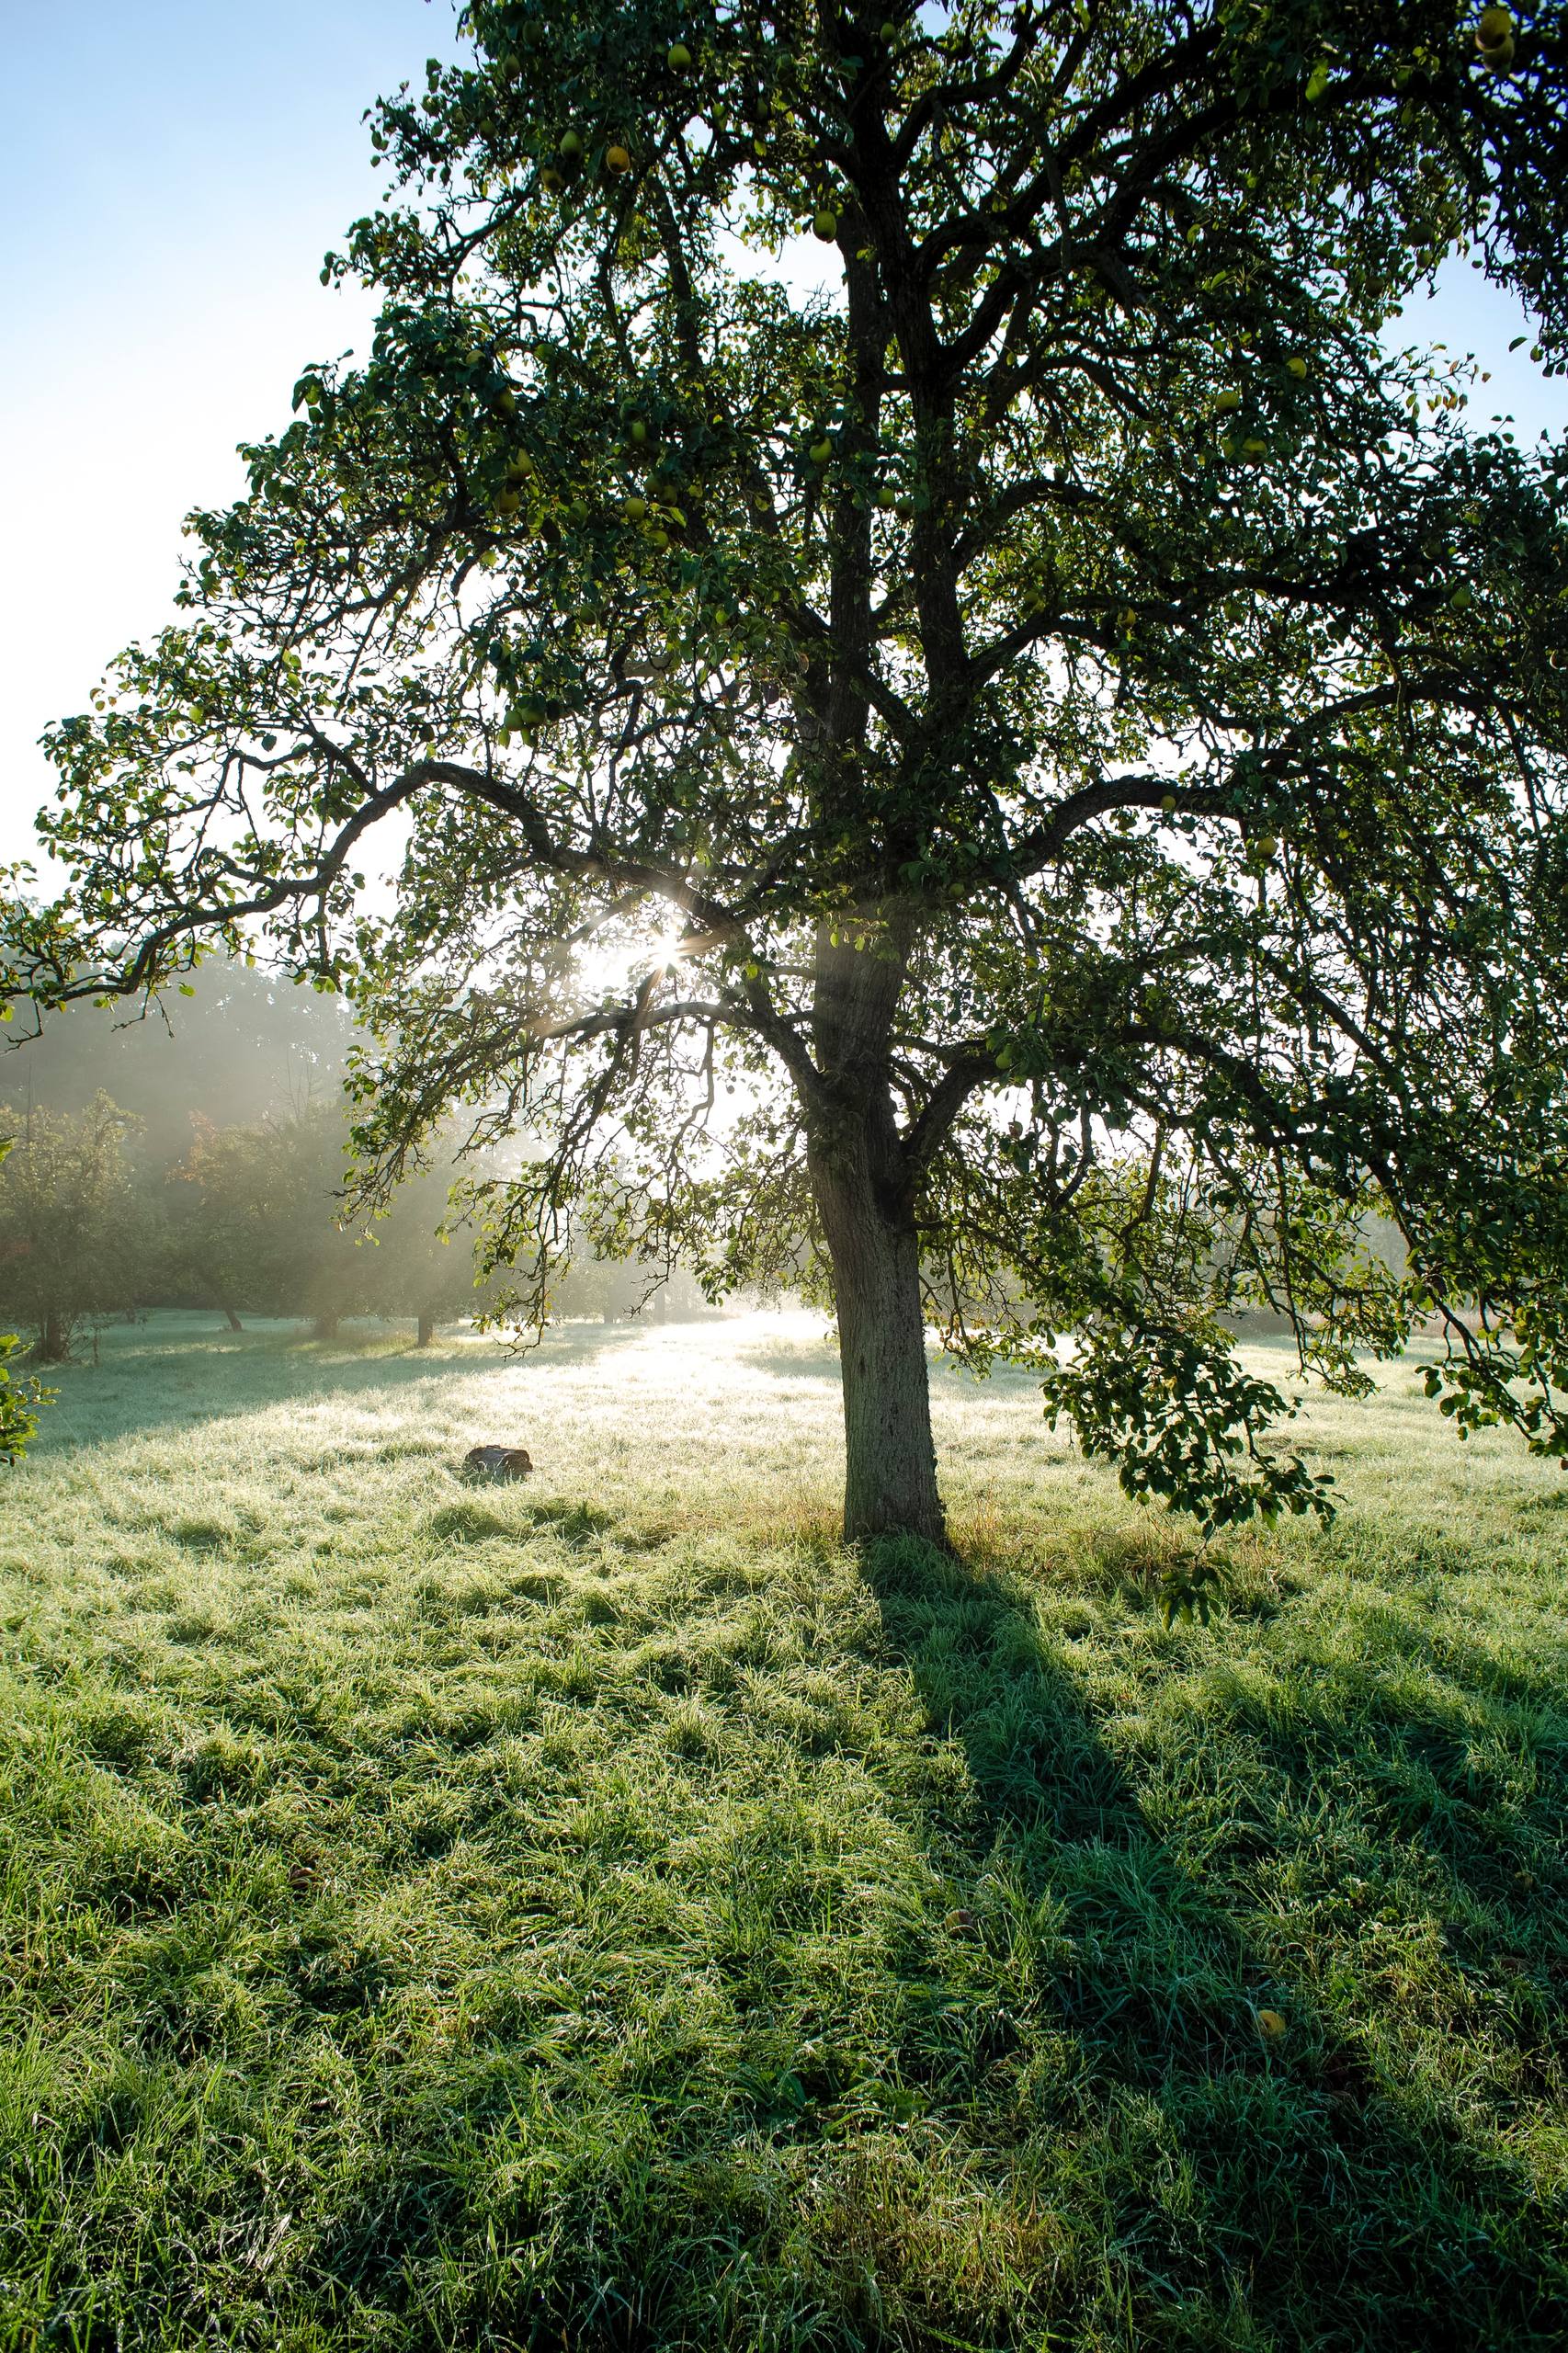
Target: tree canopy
(1032, 768)
(68, 1235)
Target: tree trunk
(890, 1456)
(427, 1331)
(325, 1328)
(864, 1189)
(54, 1336)
(232, 1320)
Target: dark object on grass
(498, 1462)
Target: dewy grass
(601, 1912)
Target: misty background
(196, 1159)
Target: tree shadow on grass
(1296, 2189)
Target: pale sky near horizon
(172, 177)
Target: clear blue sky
(171, 172)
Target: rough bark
(232, 1320)
(864, 1195)
(427, 1331)
(889, 1458)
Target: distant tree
(1064, 722)
(225, 1221)
(68, 1251)
(421, 1262)
(326, 1262)
(262, 1227)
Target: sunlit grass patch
(600, 1906)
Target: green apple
(825, 225)
(1494, 38)
(679, 56)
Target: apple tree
(938, 691)
(260, 1225)
(71, 1245)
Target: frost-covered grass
(602, 1911)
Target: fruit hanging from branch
(1494, 38)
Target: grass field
(601, 1912)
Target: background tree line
(200, 1163)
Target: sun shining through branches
(1057, 745)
